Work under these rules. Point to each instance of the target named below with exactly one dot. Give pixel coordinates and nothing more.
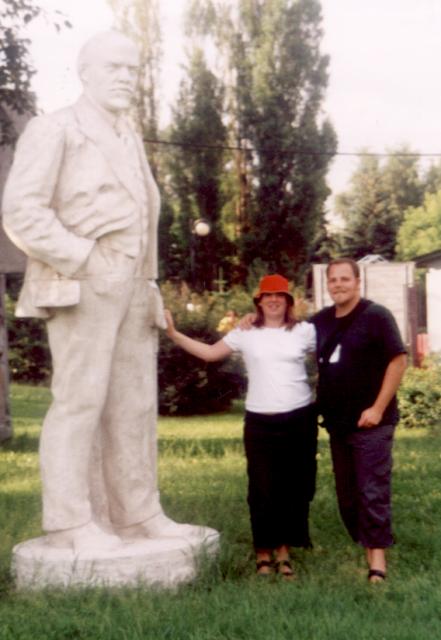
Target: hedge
(420, 396)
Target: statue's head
(108, 67)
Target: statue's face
(110, 74)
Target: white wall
(433, 292)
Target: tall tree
(141, 20)
(420, 231)
(276, 79)
(374, 206)
(365, 212)
(402, 180)
(431, 179)
(16, 69)
(195, 164)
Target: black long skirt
(281, 454)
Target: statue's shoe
(160, 526)
(89, 537)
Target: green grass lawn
(202, 479)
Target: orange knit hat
(273, 284)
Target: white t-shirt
(275, 363)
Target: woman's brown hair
(290, 319)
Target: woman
(280, 421)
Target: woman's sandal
(264, 564)
(285, 569)
(376, 573)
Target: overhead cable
(299, 152)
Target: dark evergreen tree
(195, 167)
(373, 208)
(431, 179)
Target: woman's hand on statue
(247, 321)
(170, 328)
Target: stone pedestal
(161, 563)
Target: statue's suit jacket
(67, 188)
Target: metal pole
(5, 417)
(412, 319)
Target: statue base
(160, 563)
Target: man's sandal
(264, 564)
(376, 573)
(285, 570)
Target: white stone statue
(81, 202)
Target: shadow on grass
(23, 443)
(213, 447)
(183, 447)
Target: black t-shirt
(353, 353)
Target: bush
(28, 350)
(420, 396)
(187, 385)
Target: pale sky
(384, 69)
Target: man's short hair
(352, 263)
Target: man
(361, 360)
(81, 202)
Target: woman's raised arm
(208, 352)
